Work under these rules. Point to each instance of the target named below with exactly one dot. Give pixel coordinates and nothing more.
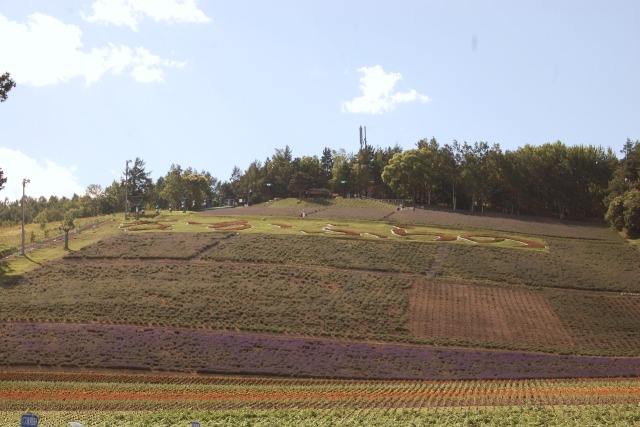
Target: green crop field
(354, 290)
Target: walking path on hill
(438, 260)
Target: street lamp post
(126, 190)
(268, 191)
(25, 181)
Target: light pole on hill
(126, 190)
(25, 181)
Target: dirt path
(436, 266)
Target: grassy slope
(283, 281)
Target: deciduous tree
(3, 179)
(66, 225)
(6, 84)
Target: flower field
(617, 415)
(95, 398)
(349, 316)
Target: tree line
(578, 182)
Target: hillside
(355, 289)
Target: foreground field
(102, 399)
(595, 415)
(358, 314)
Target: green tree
(451, 159)
(381, 158)
(624, 213)
(6, 84)
(404, 174)
(92, 202)
(307, 173)
(326, 162)
(341, 180)
(3, 179)
(279, 172)
(140, 184)
(195, 188)
(66, 225)
(113, 197)
(173, 187)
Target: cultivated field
(356, 290)
(159, 400)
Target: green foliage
(3, 179)
(569, 263)
(6, 84)
(325, 251)
(140, 185)
(522, 415)
(624, 213)
(267, 298)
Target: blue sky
(217, 84)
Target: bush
(624, 213)
(632, 213)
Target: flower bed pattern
(110, 392)
(230, 225)
(145, 225)
(403, 231)
(281, 225)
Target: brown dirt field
(474, 312)
(506, 223)
(329, 212)
(439, 217)
(167, 245)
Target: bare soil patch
(165, 245)
(483, 313)
(508, 223)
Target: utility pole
(25, 181)
(126, 190)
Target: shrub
(624, 213)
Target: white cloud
(50, 51)
(48, 179)
(377, 93)
(129, 12)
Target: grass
(254, 298)
(347, 253)
(569, 263)
(338, 202)
(168, 245)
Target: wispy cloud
(50, 51)
(129, 12)
(48, 179)
(378, 94)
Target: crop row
(622, 415)
(167, 349)
(274, 394)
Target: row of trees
(552, 180)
